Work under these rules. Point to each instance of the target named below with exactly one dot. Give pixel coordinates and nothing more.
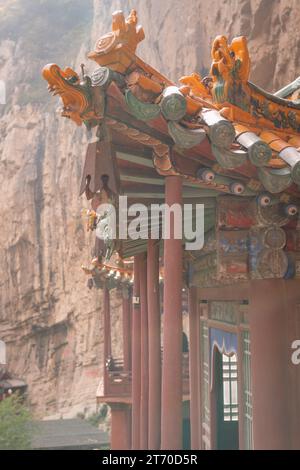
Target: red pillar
(194, 369)
(171, 426)
(154, 345)
(120, 426)
(107, 335)
(126, 328)
(269, 307)
(136, 356)
(144, 355)
(241, 397)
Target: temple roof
(68, 434)
(221, 132)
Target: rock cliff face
(51, 322)
(179, 34)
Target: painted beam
(139, 160)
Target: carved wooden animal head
(76, 96)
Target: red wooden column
(241, 385)
(107, 334)
(154, 345)
(144, 355)
(171, 425)
(270, 359)
(194, 356)
(136, 356)
(126, 320)
(120, 426)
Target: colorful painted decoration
(275, 181)
(237, 188)
(230, 73)
(230, 136)
(221, 131)
(236, 213)
(173, 104)
(255, 246)
(274, 237)
(259, 152)
(273, 214)
(243, 123)
(206, 174)
(232, 251)
(103, 76)
(116, 49)
(76, 97)
(142, 111)
(184, 137)
(272, 263)
(291, 210)
(264, 199)
(229, 158)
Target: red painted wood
(136, 358)
(144, 355)
(107, 335)
(120, 426)
(171, 427)
(126, 299)
(154, 345)
(270, 358)
(194, 369)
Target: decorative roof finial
(117, 48)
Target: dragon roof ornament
(241, 121)
(245, 101)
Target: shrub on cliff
(15, 424)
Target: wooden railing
(117, 381)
